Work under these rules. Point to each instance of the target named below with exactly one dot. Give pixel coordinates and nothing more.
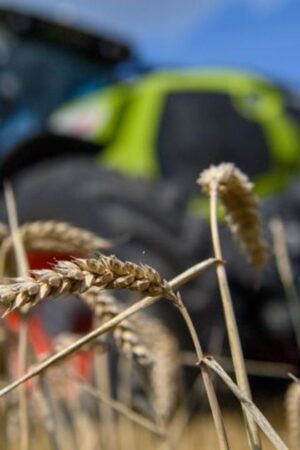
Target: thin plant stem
(102, 378)
(211, 394)
(230, 320)
(124, 393)
(285, 271)
(47, 413)
(23, 400)
(120, 408)
(251, 408)
(179, 424)
(63, 411)
(22, 269)
(4, 376)
(255, 368)
(292, 413)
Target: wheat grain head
(126, 336)
(79, 275)
(241, 208)
(165, 373)
(56, 236)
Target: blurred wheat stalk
(142, 339)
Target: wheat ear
(150, 343)
(53, 236)
(126, 335)
(221, 180)
(60, 235)
(292, 407)
(240, 204)
(165, 372)
(79, 275)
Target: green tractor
(122, 161)
(171, 125)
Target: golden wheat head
(165, 373)
(126, 335)
(79, 275)
(241, 208)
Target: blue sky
(254, 34)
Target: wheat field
(46, 402)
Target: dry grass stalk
(119, 407)
(252, 409)
(207, 380)
(4, 375)
(286, 275)
(64, 340)
(231, 184)
(22, 267)
(106, 432)
(256, 368)
(4, 231)
(126, 335)
(108, 436)
(79, 275)
(292, 407)
(126, 430)
(240, 206)
(43, 401)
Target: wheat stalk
(244, 399)
(285, 271)
(79, 275)
(116, 405)
(292, 406)
(22, 268)
(43, 401)
(235, 191)
(126, 335)
(240, 204)
(64, 340)
(4, 231)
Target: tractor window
(202, 128)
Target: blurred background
(119, 106)
(108, 112)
